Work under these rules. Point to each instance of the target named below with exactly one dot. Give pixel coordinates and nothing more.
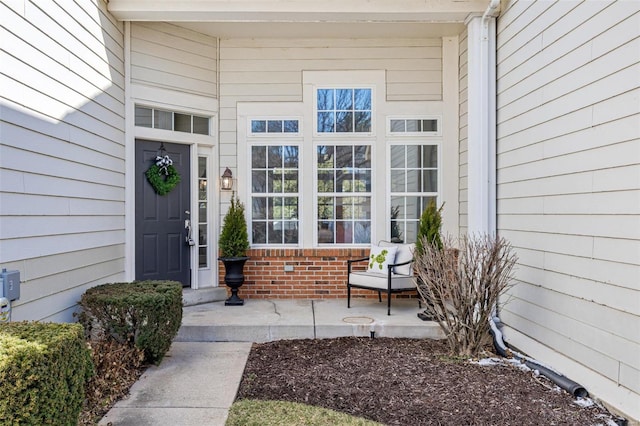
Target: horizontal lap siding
(62, 152)
(569, 187)
(271, 70)
(167, 56)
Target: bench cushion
(377, 280)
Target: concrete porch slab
(261, 320)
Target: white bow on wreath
(164, 163)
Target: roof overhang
(305, 18)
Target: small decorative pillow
(380, 257)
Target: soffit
(306, 18)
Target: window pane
(200, 125)
(430, 125)
(325, 181)
(397, 156)
(325, 157)
(202, 211)
(290, 209)
(344, 208)
(362, 99)
(413, 156)
(344, 232)
(430, 156)
(362, 233)
(325, 122)
(413, 181)
(274, 209)
(362, 181)
(344, 99)
(182, 122)
(274, 180)
(343, 181)
(259, 208)
(413, 125)
(275, 157)
(274, 233)
(259, 232)
(344, 122)
(361, 208)
(430, 181)
(259, 181)
(397, 126)
(202, 257)
(291, 181)
(143, 116)
(325, 208)
(202, 167)
(290, 232)
(258, 126)
(290, 156)
(162, 119)
(325, 100)
(274, 126)
(397, 181)
(258, 157)
(291, 126)
(363, 156)
(344, 157)
(363, 121)
(413, 208)
(325, 232)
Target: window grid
(343, 185)
(414, 182)
(203, 204)
(347, 110)
(171, 120)
(274, 194)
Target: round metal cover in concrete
(358, 320)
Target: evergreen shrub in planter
(144, 314)
(233, 244)
(43, 371)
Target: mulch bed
(407, 382)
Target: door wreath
(162, 176)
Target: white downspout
(482, 122)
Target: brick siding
(317, 274)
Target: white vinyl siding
(270, 70)
(62, 152)
(170, 57)
(569, 188)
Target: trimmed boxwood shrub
(43, 371)
(144, 314)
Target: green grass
(249, 412)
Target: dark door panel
(161, 250)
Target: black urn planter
(234, 278)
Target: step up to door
(191, 297)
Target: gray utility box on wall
(10, 286)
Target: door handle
(188, 238)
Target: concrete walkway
(198, 379)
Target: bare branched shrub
(461, 285)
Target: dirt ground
(408, 382)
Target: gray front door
(162, 252)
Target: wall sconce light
(226, 181)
